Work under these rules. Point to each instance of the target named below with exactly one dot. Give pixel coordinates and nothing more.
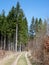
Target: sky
(36, 8)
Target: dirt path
(28, 62)
(23, 59)
(7, 59)
(15, 62)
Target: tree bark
(8, 44)
(16, 36)
(1, 42)
(20, 47)
(4, 42)
(11, 46)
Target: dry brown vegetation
(39, 50)
(4, 53)
(46, 50)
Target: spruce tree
(32, 28)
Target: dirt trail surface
(15, 62)
(7, 58)
(28, 62)
(23, 59)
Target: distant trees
(13, 28)
(37, 26)
(32, 28)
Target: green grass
(22, 60)
(33, 64)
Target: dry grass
(10, 60)
(22, 60)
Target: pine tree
(22, 29)
(17, 11)
(36, 25)
(14, 24)
(40, 24)
(3, 28)
(32, 28)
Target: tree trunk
(4, 42)
(16, 36)
(8, 44)
(11, 46)
(14, 41)
(1, 42)
(20, 47)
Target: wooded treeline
(13, 29)
(37, 26)
(14, 34)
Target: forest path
(27, 59)
(16, 59)
(23, 59)
(9, 59)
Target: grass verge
(22, 60)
